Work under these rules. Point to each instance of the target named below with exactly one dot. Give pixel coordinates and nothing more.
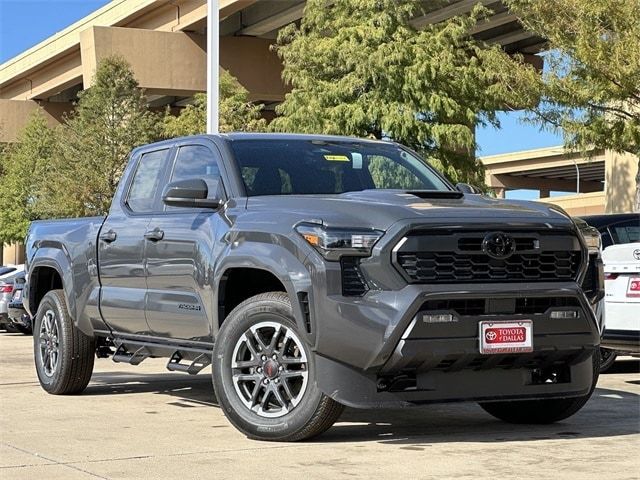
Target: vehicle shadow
(608, 413)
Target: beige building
(598, 181)
(164, 41)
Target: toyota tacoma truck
(317, 272)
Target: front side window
(146, 181)
(195, 161)
(299, 167)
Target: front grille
(353, 282)
(459, 258)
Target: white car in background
(622, 298)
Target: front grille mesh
(424, 267)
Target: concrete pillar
(14, 115)
(167, 63)
(13, 254)
(500, 192)
(620, 182)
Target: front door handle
(108, 237)
(154, 235)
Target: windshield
(299, 167)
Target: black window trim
(124, 205)
(171, 167)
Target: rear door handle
(154, 235)
(108, 237)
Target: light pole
(213, 62)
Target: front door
(180, 242)
(121, 246)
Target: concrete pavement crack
(53, 461)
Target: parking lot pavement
(140, 422)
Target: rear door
(179, 247)
(121, 244)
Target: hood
(382, 208)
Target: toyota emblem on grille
(498, 245)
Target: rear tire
(264, 375)
(63, 354)
(542, 411)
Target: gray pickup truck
(314, 272)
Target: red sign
(505, 335)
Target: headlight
(591, 236)
(333, 243)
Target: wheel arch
(278, 270)
(45, 275)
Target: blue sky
(24, 23)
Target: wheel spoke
(254, 395)
(265, 399)
(287, 389)
(293, 361)
(274, 339)
(247, 377)
(276, 393)
(241, 365)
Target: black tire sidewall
(54, 383)
(250, 423)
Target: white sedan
(622, 298)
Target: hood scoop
(441, 194)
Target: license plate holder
(505, 336)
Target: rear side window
(146, 181)
(627, 232)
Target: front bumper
(376, 351)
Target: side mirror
(466, 188)
(191, 193)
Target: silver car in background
(7, 275)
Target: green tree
(24, 168)
(360, 68)
(236, 113)
(591, 88)
(110, 119)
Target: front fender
(275, 259)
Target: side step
(122, 355)
(200, 362)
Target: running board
(200, 362)
(122, 355)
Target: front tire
(63, 354)
(264, 375)
(543, 411)
(607, 359)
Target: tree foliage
(24, 166)
(74, 169)
(236, 113)
(360, 68)
(591, 88)
(110, 119)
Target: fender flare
(58, 260)
(275, 259)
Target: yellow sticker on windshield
(336, 158)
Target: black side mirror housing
(466, 188)
(190, 193)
